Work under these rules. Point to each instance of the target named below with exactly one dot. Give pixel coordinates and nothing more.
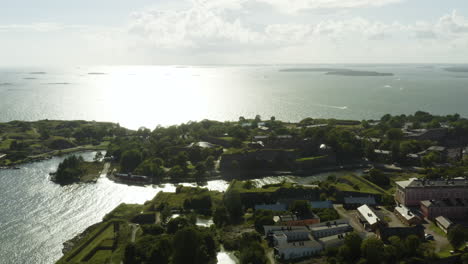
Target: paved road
(105, 169)
(134, 230)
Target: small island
(457, 69)
(359, 73)
(312, 70)
(337, 71)
(75, 169)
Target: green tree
(220, 216)
(251, 251)
(457, 236)
(353, 241)
(193, 246)
(301, 208)
(130, 160)
(233, 203)
(412, 244)
(372, 249)
(395, 134)
(262, 218)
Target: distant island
(359, 73)
(312, 70)
(457, 69)
(337, 71)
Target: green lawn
(176, 200)
(310, 158)
(349, 182)
(79, 253)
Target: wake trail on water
(332, 106)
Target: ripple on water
(38, 215)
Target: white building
(330, 229)
(368, 217)
(298, 249)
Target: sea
(37, 216)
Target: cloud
(193, 28)
(292, 6)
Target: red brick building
(450, 208)
(413, 191)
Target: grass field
(357, 184)
(176, 200)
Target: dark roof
(370, 200)
(401, 232)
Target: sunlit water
(149, 95)
(37, 216)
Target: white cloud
(300, 5)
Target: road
(105, 169)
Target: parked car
(429, 237)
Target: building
(296, 250)
(406, 216)
(351, 203)
(293, 220)
(332, 241)
(2, 156)
(413, 191)
(321, 204)
(330, 228)
(369, 218)
(435, 134)
(269, 229)
(278, 207)
(402, 232)
(443, 223)
(291, 235)
(451, 208)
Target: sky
(118, 32)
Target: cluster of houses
(293, 237)
(298, 241)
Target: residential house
(443, 223)
(330, 228)
(294, 250)
(369, 218)
(332, 241)
(293, 220)
(406, 216)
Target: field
(354, 183)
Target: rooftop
(445, 203)
(370, 200)
(321, 204)
(369, 215)
(318, 228)
(2, 155)
(445, 222)
(405, 212)
(302, 244)
(436, 148)
(332, 239)
(422, 183)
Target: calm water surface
(149, 95)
